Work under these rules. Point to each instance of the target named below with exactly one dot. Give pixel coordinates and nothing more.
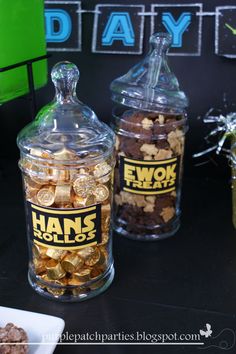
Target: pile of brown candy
(17, 338)
(147, 136)
(74, 186)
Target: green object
(232, 29)
(22, 37)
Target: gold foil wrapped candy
(71, 263)
(105, 239)
(102, 172)
(84, 185)
(46, 196)
(54, 270)
(101, 264)
(101, 193)
(40, 266)
(62, 194)
(81, 202)
(55, 253)
(31, 187)
(83, 275)
(93, 259)
(86, 252)
(54, 287)
(39, 251)
(106, 217)
(57, 266)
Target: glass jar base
(72, 293)
(147, 234)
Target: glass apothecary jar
(150, 123)
(67, 163)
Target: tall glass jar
(67, 162)
(150, 125)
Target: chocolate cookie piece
(164, 201)
(134, 215)
(152, 115)
(132, 121)
(162, 144)
(131, 147)
(158, 130)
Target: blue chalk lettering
(119, 28)
(61, 19)
(176, 28)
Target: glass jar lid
(66, 124)
(150, 84)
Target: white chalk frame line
(95, 29)
(199, 5)
(217, 32)
(78, 11)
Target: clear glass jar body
(67, 163)
(69, 234)
(148, 173)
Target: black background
(227, 16)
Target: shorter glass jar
(150, 123)
(148, 174)
(67, 162)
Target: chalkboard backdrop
(205, 71)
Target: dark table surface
(175, 285)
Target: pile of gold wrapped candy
(74, 186)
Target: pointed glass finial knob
(161, 42)
(65, 76)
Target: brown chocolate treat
(12, 334)
(137, 221)
(134, 215)
(158, 130)
(133, 116)
(131, 121)
(131, 147)
(165, 124)
(152, 115)
(164, 201)
(162, 144)
(171, 126)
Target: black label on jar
(149, 177)
(67, 229)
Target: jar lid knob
(65, 76)
(161, 41)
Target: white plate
(43, 331)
